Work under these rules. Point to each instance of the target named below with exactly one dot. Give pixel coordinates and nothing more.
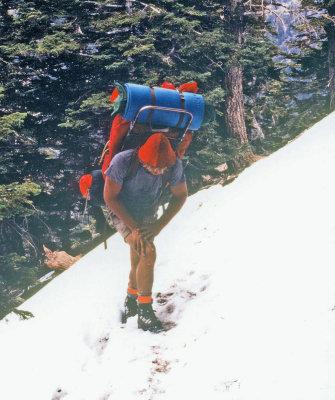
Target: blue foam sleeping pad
(139, 96)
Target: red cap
(157, 152)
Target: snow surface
(246, 273)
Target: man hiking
(133, 199)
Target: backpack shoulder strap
(165, 182)
(133, 166)
(166, 178)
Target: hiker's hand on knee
(139, 242)
(150, 231)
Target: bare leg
(134, 260)
(145, 271)
(142, 267)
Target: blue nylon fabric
(139, 96)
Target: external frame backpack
(126, 134)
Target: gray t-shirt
(140, 194)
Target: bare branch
(23, 234)
(215, 63)
(2, 60)
(326, 16)
(276, 14)
(263, 8)
(269, 9)
(157, 10)
(314, 10)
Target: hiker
(133, 202)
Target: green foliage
(218, 151)
(84, 116)
(23, 314)
(7, 303)
(16, 275)
(2, 95)
(56, 44)
(15, 199)
(10, 124)
(16, 272)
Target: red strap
(144, 299)
(132, 291)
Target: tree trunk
(233, 80)
(234, 118)
(234, 105)
(256, 130)
(331, 64)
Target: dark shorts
(123, 228)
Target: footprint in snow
(226, 386)
(159, 367)
(172, 303)
(101, 344)
(59, 394)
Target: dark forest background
(268, 67)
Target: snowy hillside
(246, 273)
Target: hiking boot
(129, 308)
(147, 319)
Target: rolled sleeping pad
(139, 96)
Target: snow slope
(246, 273)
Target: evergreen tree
(322, 14)
(308, 81)
(16, 273)
(58, 64)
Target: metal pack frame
(153, 108)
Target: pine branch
(23, 314)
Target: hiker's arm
(111, 197)
(179, 196)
